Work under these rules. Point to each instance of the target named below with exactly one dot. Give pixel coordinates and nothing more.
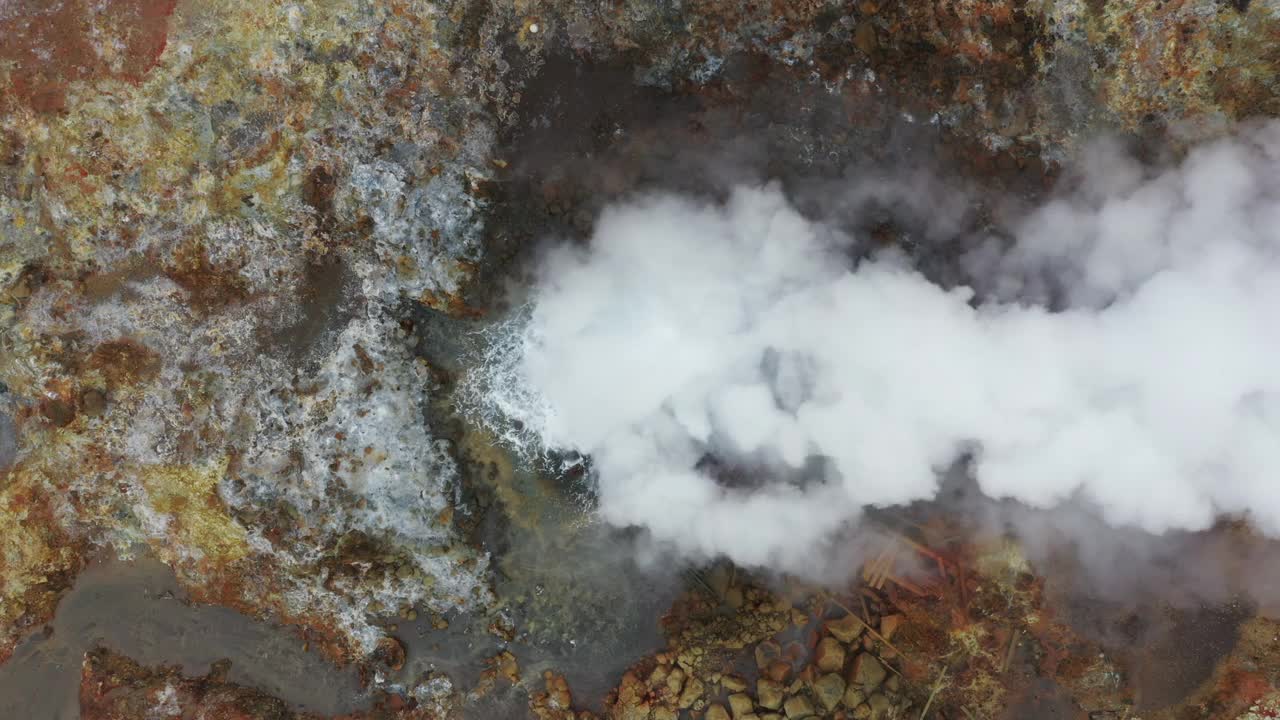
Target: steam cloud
(743, 332)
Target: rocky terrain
(242, 245)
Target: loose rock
(829, 656)
(867, 672)
(717, 712)
(798, 706)
(741, 704)
(769, 693)
(829, 690)
(846, 629)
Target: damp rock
(846, 629)
(829, 655)
(867, 672)
(880, 706)
(691, 693)
(798, 706)
(853, 697)
(769, 693)
(717, 712)
(829, 689)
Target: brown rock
(778, 670)
(93, 402)
(867, 672)
(716, 712)
(846, 629)
(829, 690)
(862, 712)
(692, 691)
(829, 656)
(880, 706)
(797, 706)
(769, 693)
(853, 697)
(675, 682)
(889, 625)
(864, 38)
(733, 683)
(740, 704)
(767, 652)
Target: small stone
(867, 672)
(740, 704)
(862, 712)
(659, 676)
(829, 690)
(717, 712)
(733, 683)
(692, 691)
(889, 625)
(864, 38)
(750, 716)
(893, 684)
(798, 618)
(771, 716)
(846, 629)
(778, 670)
(829, 656)
(93, 402)
(767, 652)
(853, 697)
(733, 598)
(798, 706)
(769, 693)
(662, 712)
(675, 682)
(880, 706)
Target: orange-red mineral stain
(52, 43)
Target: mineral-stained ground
(247, 251)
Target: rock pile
(822, 661)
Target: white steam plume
(741, 331)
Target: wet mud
(136, 608)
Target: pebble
(853, 697)
(829, 690)
(880, 706)
(769, 693)
(740, 704)
(717, 712)
(867, 672)
(889, 625)
(798, 706)
(845, 629)
(829, 655)
(692, 691)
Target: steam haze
(745, 387)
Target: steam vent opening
(415, 360)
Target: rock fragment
(829, 656)
(798, 706)
(717, 712)
(829, 689)
(769, 693)
(867, 672)
(845, 629)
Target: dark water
(136, 608)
